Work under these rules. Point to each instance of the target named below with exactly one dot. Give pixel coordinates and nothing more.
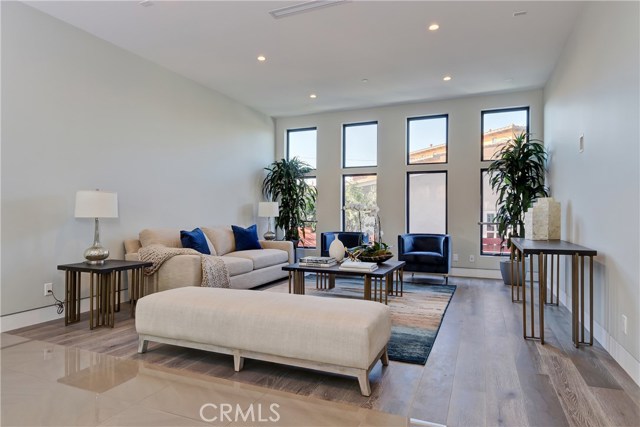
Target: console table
(520, 248)
(105, 282)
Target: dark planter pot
(505, 270)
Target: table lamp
(96, 204)
(268, 210)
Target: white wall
(463, 164)
(595, 91)
(79, 113)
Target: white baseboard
(40, 315)
(619, 353)
(475, 272)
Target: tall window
(427, 139)
(360, 145)
(359, 201)
(427, 202)
(498, 126)
(301, 143)
(491, 242)
(308, 239)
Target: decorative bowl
(377, 259)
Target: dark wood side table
(520, 248)
(105, 282)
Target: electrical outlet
(472, 258)
(624, 324)
(455, 257)
(48, 289)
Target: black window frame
(408, 196)
(446, 143)
(526, 108)
(344, 143)
(289, 131)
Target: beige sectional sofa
(247, 269)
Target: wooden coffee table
(382, 278)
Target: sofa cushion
(246, 238)
(197, 240)
(432, 258)
(222, 239)
(262, 258)
(236, 265)
(169, 237)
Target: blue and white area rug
(415, 317)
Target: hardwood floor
(479, 373)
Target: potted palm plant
(516, 175)
(285, 183)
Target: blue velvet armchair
(350, 239)
(425, 253)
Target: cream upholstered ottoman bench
(341, 336)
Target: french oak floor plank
(431, 400)
(619, 408)
(578, 402)
(585, 359)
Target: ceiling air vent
(307, 6)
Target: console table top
(559, 247)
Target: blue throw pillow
(195, 240)
(246, 238)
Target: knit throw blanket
(214, 270)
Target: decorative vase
(336, 250)
(542, 221)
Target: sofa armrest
(179, 271)
(283, 245)
(131, 246)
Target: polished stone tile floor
(44, 384)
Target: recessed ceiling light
(313, 96)
(262, 58)
(145, 3)
(446, 78)
(365, 80)
(433, 27)
(519, 13)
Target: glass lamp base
(269, 235)
(96, 254)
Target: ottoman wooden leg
(238, 361)
(365, 386)
(142, 345)
(385, 358)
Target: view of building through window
(301, 143)
(308, 238)
(498, 126)
(427, 202)
(491, 242)
(360, 144)
(359, 203)
(427, 139)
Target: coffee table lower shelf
(378, 284)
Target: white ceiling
(330, 51)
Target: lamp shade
(96, 204)
(268, 209)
